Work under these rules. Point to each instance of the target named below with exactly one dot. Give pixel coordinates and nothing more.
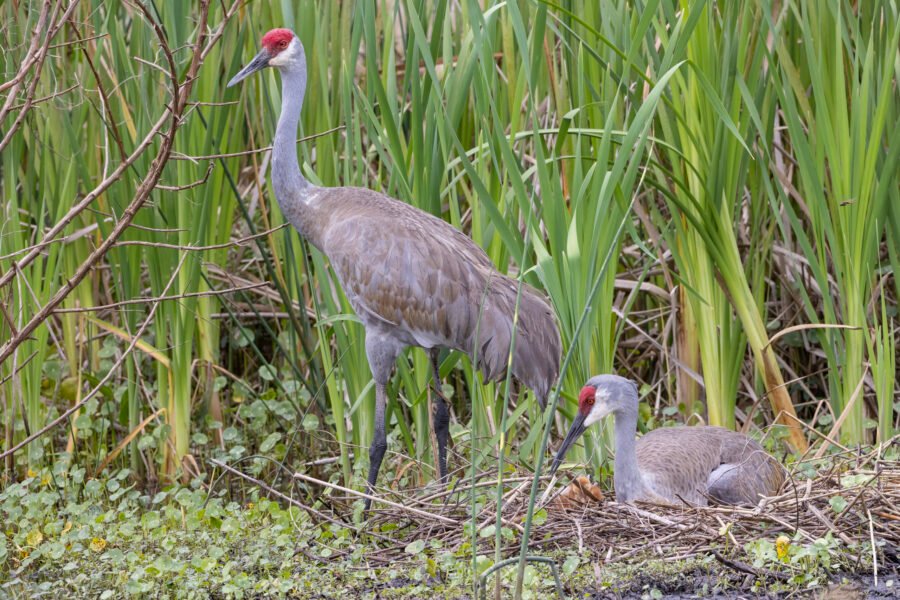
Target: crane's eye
(590, 401)
(282, 44)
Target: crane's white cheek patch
(601, 408)
(286, 56)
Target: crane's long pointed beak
(260, 61)
(575, 432)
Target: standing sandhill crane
(673, 464)
(412, 278)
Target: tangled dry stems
(612, 532)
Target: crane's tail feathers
(537, 345)
(744, 482)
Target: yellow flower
(782, 545)
(45, 480)
(98, 544)
(31, 473)
(249, 506)
(67, 527)
(34, 537)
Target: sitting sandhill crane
(673, 465)
(412, 278)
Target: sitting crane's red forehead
(277, 36)
(586, 399)
(587, 391)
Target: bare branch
(134, 340)
(181, 188)
(28, 60)
(141, 195)
(177, 156)
(232, 244)
(38, 63)
(47, 98)
(81, 205)
(80, 41)
(19, 368)
(104, 97)
(88, 309)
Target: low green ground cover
(68, 535)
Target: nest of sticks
(577, 514)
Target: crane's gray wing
(403, 282)
(427, 283)
(404, 270)
(692, 463)
(746, 472)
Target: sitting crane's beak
(260, 61)
(575, 432)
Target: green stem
(551, 409)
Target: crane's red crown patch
(277, 40)
(586, 399)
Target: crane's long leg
(382, 351)
(441, 419)
(379, 440)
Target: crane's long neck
(291, 189)
(627, 478)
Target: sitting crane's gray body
(413, 279)
(673, 465)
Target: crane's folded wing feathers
(430, 285)
(692, 463)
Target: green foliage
(64, 534)
(683, 179)
(67, 534)
(839, 99)
(531, 127)
(809, 563)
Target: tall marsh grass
(737, 161)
